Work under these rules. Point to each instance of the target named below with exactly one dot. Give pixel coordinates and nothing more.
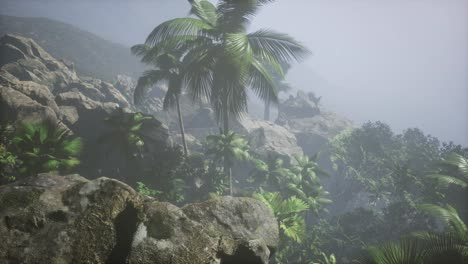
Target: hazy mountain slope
(92, 55)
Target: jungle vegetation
(370, 196)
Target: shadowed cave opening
(125, 225)
(242, 255)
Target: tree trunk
(181, 126)
(227, 167)
(266, 114)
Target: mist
(147, 154)
(401, 62)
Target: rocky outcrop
(301, 106)
(268, 139)
(311, 126)
(69, 219)
(36, 86)
(221, 230)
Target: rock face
(301, 106)
(269, 139)
(222, 230)
(69, 219)
(55, 219)
(36, 86)
(311, 126)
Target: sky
(403, 62)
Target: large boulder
(69, 219)
(314, 133)
(221, 230)
(268, 139)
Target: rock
(313, 133)
(17, 107)
(203, 118)
(221, 230)
(27, 61)
(69, 219)
(300, 106)
(48, 86)
(268, 139)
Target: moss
(19, 198)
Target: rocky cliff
(69, 219)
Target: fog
(402, 62)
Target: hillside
(93, 56)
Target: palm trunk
(181, 126)
(227, 167)
(266, 114)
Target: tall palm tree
(168, 68)
(224, 59)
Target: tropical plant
(287, 211)
(327, 259)
(45, 147)
(170, 69)
(223, 60)
(304, 182)
(8, 161)
(145, 190)
(460, 164)
(124, 135)
(228, 147)
(269, 173)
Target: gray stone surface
(69, 219)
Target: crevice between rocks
(125, 225)
(242, 255)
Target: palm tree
(168, 68)
(45, 147)
(229, 147)
(223, 59)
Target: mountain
(92, 55)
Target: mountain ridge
(106, 60)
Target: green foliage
(269, 173)
(460, 164)
(287, 212)
(124, 132)
(144, 190)
(304, 182)
(230, 146)
(44, 147)
(222, 58)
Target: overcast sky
(404, 62)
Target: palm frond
(206, 11)
(447, 214)
(148, 79)
(447, 180)
(268, 44)
(181, 27)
